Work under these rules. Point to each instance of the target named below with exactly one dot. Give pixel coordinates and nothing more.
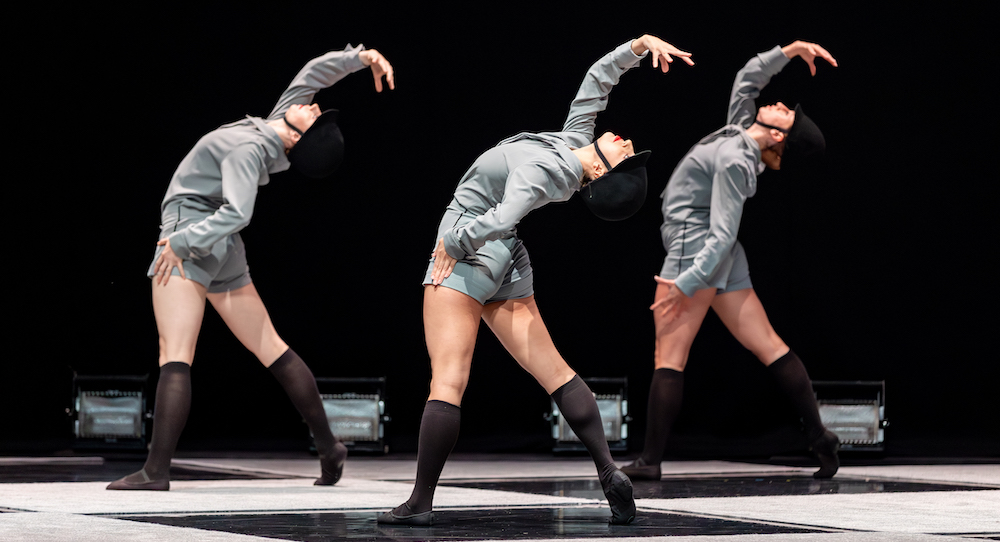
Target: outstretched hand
(443, 264)
(166, 263)
(380, 66)
(671, 305)
(661, 51)
(808, 52)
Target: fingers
(389, 75)
(669, 316)
(683, 55)
(665, 66)
(436, 272)
(380, 66)
(827, 56)
(443, 266)
(448, 268)
(167, 269)
(158, 270)
(809, 53)
(166, 263)
(668, 310)
(440, 257)
(667, 54)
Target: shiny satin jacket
(529, 170)
(703, 201)
(217, 181)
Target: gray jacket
(217, 181)
(528, 170)
(703, 201)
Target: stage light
(355, 409)
(854, 411)
(611, 395)
(109, 412)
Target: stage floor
(496, 498)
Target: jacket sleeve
(729, 187)
(241, 170)
(754, 76)
(317, 74)
(524, 188)
(592, 98)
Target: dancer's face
(302, 116)
(615, 147)
(776, 115)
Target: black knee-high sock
(173, 403)
(299, 383)
(577, 404)
(438, 434)
(794, 381)
(665, 395)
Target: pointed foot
(826, 447)
(619, 494)
(332, 466)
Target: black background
(875, 266)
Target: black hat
(321, 148)
(804, 140)
(619, 193)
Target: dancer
(706, 266)
(480, 269)
(209, 200)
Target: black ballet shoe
(619, 494)
(332, 466)
(146, 483)
(401, 515)
(825, 447)
(639, 470)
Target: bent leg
(519, 327)
(742, 313)
(244, 313)
(300, 385)
(791, 376)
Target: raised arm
(759, 70)
(326, 70)
(808, 52)
(754, 76)
(592, 98)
